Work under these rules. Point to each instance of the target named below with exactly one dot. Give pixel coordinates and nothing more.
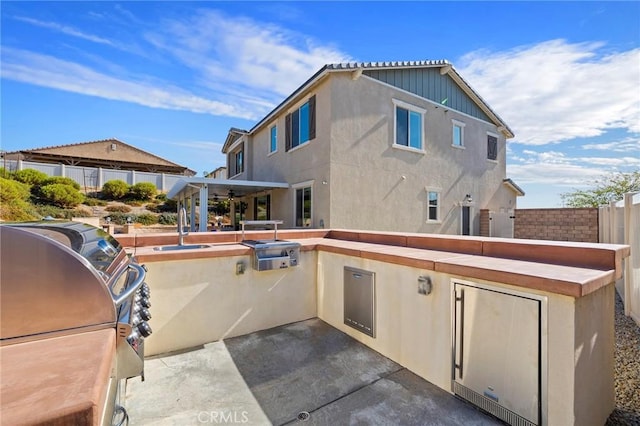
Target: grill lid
(98, 247)
(53, 280)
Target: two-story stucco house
(389, 146)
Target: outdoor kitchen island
(203, 296)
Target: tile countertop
(571, 269)
(40, 385)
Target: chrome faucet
(182, 223)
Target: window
(458, 134)
(303, 207)
(433, 206)
(273, 139)
(300, 125)
(239, 162)
(262, 207)
(492, 147)
(236, 160)
(239, 212)
(408, 125)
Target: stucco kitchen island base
(202, 300)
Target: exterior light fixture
(230, 195)
(468, 198)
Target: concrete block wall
(559, 224)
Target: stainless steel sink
(183, 247)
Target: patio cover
(205, 188)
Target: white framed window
(273, 139)
(433, 205)
(457, 139)
(300, 125)
(408, 126)
(492, 146)
(302, 204)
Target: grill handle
(135, 285)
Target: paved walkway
(306, 372)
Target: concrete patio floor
(307, 372)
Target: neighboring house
(219, 173)
(389, 146)
(107, 153)
(93, 163)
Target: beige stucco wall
(368, 171)
(415, 331)
(353, 155)
(203, 300)
(594, 356)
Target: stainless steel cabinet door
(359, 300)
(496, 351)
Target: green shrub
(4, 173)
(147, 219)
(45, 210)
(143, 191)
(118, 209)
(92, 201)
(161, 197)
(13, 201)
(168, 219)
(62, 180)
(168, 206)
(30, 176)
(134, 203)
(80, 212)
(11, 190)
(61, 195)
(115, 189)
(152, 207)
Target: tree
(609, 188)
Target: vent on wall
(113, 147)
(490, 406)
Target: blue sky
(171, 78)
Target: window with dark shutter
(300, 125)
(492, 147)
(312, 117)
(287, 132)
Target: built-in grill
(271, 254)
(67, 278)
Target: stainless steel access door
(359, 300)
(496, 352)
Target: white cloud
(557, 174)
(238, 66)
(232, 54)
(624, 145)
(557, 168)
(48, 71)
(556, 91)
(65, 30)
